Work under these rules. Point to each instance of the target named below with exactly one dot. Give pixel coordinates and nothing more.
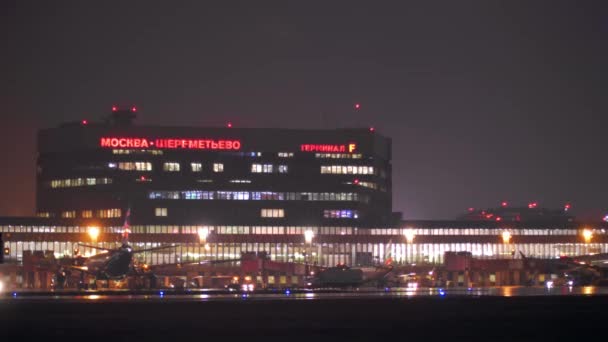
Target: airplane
(343, 276)
(118, 263)
(573, 271)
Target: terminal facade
(415, 242)
(314, 196)
(214, 176)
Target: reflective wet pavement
(221, 295)
(488, 314)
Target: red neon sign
(170, 143)
(350, 148)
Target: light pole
(308, 236)
(93, 233)
(409, 237)
(203, 233)
(506, 238)
(587, 235)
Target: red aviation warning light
(114, 108)
(504, 203)
(229, 124)
(498, 218)
(371, 129)
(357, 106)
(84, 122)
(356, 182)
(134, 109)
(567, 207)
(532, 205)
(471, 209)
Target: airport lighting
(409, 235)
(308, 236)
(202, 234)
(587, 235)
(506, 237)
(93, 233)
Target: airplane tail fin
(126, 227)
(388, 259)
(522, 255)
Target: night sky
(485, 101)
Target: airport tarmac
(296, 294)
(489, 314)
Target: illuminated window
(282, 169)
(171, 167)
(258, 195)
(343, 213)
(272, 213)
(338, 155)
(196, 167)
(87, 213)
(68, 214)
(370, 185)
(74, 182)
(135, 166)
(108, 213)
(152, 152)
(347, 169)
(285, 154)
(247, 181)
(160, 212)
(44, 214)
(262, 168)
(218, 167)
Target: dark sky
(485, 101)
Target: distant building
(214, 176)
(530, 213)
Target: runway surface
(500, 314)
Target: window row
(258, 195)
(100, 213)
(328, 254)
(131, 166)
(272, 213)
(108, 213)
(268, 168)
(152, 152)
(73, 182)
(347, 169)
(342, 213)
(160, 211)
(167, 166)
(325, 230)
(338, 155)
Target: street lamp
(587, 235)
(202, 234)
(93, 233)
(308, 236)
(506, 237)
(409, 237)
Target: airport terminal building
(317, 196)
(214, 176)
